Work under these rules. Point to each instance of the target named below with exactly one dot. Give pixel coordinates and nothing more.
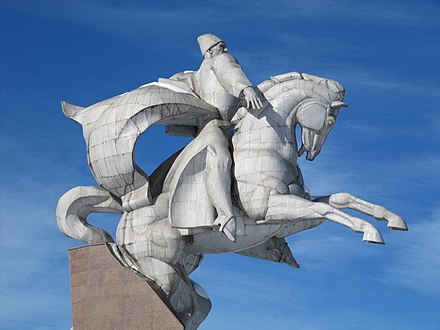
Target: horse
(164, 230)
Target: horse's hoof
(292, 262)
(373, 237)
(397, 223)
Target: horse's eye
(330, 122)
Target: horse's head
(317, 120)
(312, 102)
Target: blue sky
(384, 148)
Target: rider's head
(211, 46)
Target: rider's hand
(252, 98)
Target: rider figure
(221, 79)
(221, 82)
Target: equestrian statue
(236, 187)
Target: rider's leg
(218, 179)
(346, 200)
(282, 208)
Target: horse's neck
(273, 128)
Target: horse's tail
(74, 207)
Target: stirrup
(225, 227)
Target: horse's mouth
(310, 144)
(311, 155)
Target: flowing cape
(112, 127)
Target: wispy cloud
(319, 55)
(411, 257)
(417, 262)
(119, 19)
(381, 176)
(389, 12)
(292, 52)
(34, 278)
(291, 296)
(374, 78)
(115, 16)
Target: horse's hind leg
(202, 306)
(155, 250)
(346, 200)
(292, 208)
(189, 300)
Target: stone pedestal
(107, 295)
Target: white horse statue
(167, 218)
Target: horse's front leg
(346, 200)
(291, 208)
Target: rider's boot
(218, 187)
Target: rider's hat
(207, 41)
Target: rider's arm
(231, 76)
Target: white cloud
(409, 259)
(383, 12)
(417, 262)
(34, 278)
(379, 78)
(262, 295)
(111, 17)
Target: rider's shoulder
(224, 58)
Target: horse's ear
(338, 104)
(312, 116)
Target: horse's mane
(314, 86)
(296, 86)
